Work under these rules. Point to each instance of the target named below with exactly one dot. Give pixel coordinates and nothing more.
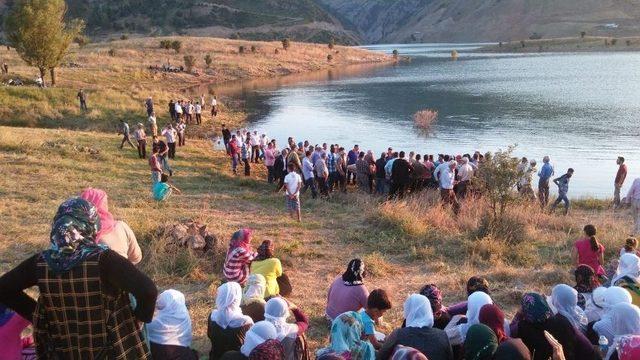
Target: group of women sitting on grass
(92, 301)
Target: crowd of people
(329, 168)
(94, 303)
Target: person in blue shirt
(352, 157)
(563, 188)
(377, 304)
(163, 189)
(545, 174)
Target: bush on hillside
(286, 43)
(241, 49)
(124, 37)
(329, 58)
(208, 60)
(253, 49)
(112, 52)
(332, 43)
(176, 45)
(165, 44)
(189, 62)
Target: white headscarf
(595, 308)
(417, 311)
(625, 319)
(613, 296)
(228, 312)
(629, 265)
(475, 302)
(258, 334)
(171, 323)
(276, 312)
(565, 300)
(254, 289)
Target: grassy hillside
(117, 78)
(404, 244)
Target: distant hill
(301, 20)
(389, 21)
(360, 21)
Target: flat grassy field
(50, 151)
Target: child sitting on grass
(377, 304)
(163, 189)
(630, 247)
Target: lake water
(581, 109)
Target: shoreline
(566, 45)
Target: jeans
(562, 196)
(270, 174)
(142, 148)
(616, 195)
(255, 153)
(155, 177)
(543, 192)
(333, 179)
(247, 167)
(310, 183)
(83, 105)
(322, 185)
(380, 186)
(172, 150)
(198, 119)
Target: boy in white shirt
(198, 110)
(293, 183)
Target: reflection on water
(581, 109)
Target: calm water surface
(581, 109)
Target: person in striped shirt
(239, 257)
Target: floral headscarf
(73, 235)
(407, 353)
(346, 331)
(270, 349)
(586, 279)
(265, 250)
(434, 295)
(354, 274)
(535, 308)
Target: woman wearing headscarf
(407, 353)
(239, 257)
(440, 315)
(586, 282)
(277, 313)
(253, 297)
(418, 332)
(612, 296)
(348, 292)
(227, 325)
(480, 343)
(457, 331)
(115, 234)
(493, 317)
(627, 276)
(260, 344)
(169, 333)
(530, 323)
(346, 332)
(626, 322)
(268, 266)
(569, 324)
(475, 283)
(594, 309)
(11, 327)
(97, 281)
(512, 349)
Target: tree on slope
(39, 33)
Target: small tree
(614, 42)
(39, 33)
(112, 52)
(395, 54)
(583, 34)
(124, 37)
(241, 49)
(277, 52)
(628, 42)
(253, 49)
(497, 177)
(523, 43)
(165, 44)
(286, 43)
(332, 43)
(189, 62)
(208, 60)
(176, 45)
(329, 58)
(81, 40)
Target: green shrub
(124, 37)
(614, 42)
(112, 52)
(165, 44)
(176, 45)
(395, 53)
(329, 58)
(208, 60)
(332, 43)
(189, 62)
(286, 43)
(253, 49)
(583, 34)
(241, 49)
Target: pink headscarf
(242, 239)
(99, 199)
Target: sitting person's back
(290, 335)
(268, 266)
(347, 292)
(253, 297)
(227, 325)
(169, 333)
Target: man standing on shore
(198, 111)
(563, 188)
(446, 175)
(307, 173)
(226, 137)
(293, 183)
(214, 106)
(352, 157)
(545, 174)
(400, 177)
(620, 177)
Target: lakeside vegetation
(567, 44)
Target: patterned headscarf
(407, 353)
(434, 295)
(535, 308)
(73, 235)
(354, 274)
(477, 283)
(481, 343)
(346, 331)
(265, 250)
(270, 349)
